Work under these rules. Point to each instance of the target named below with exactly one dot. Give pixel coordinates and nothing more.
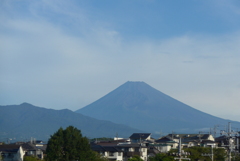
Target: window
(111, 154)
(119, 153)
(137, 149)
(10, 155)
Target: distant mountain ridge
(139, 105)
(25, 121)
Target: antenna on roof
(161, 133)
(117, 136)
(172, 134)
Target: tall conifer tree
(69, 145)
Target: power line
(231, 136)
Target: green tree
(70, 145)
(235, 157)
(196, 153)
(30, 158)
(135, 158)
(101, 139)
(220, 154)
(162, 157)
(1, 158)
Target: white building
(11, 152)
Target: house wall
(191, 144)
(148, 138)
(11, 156)
(114, 155)
(21, 153)
(164, 148)
(119, 156)
(131, 149)
(39, 154)
(211, 138)
(214, 145)
(17, 156)
(144, 153)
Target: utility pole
(210, 155)
(238, 141)
(140, 138)
(180, 152)
(230, 138)
(215, 131)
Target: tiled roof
(220, 138)
(191, 136)
(112, 149)
(29, 147)
(97, 148)
(140, 136)
(165, 140)
(131, 145)
(43, 148)
(10, 148)
(100, 148)
(208, 141)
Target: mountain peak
(141, 106)
(139, 86)
(130, 83)
(26, 104)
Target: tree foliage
(220, 154)
(30, 158)
(197, 153)
(101, 139)
(69, 145)
(162, 157)
(236, 157)
(135, 158)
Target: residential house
(11, 152)
(191, 137)
(140, 137)
(224, 141)
(132, 149)
(152, 150)
(113, 153)
(209, 143)
(31, 149)
(165, 144)
(171, 141)
(120, 151)
(189, 140)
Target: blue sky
(66, 54)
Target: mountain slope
(25, 121)
(138, 105)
